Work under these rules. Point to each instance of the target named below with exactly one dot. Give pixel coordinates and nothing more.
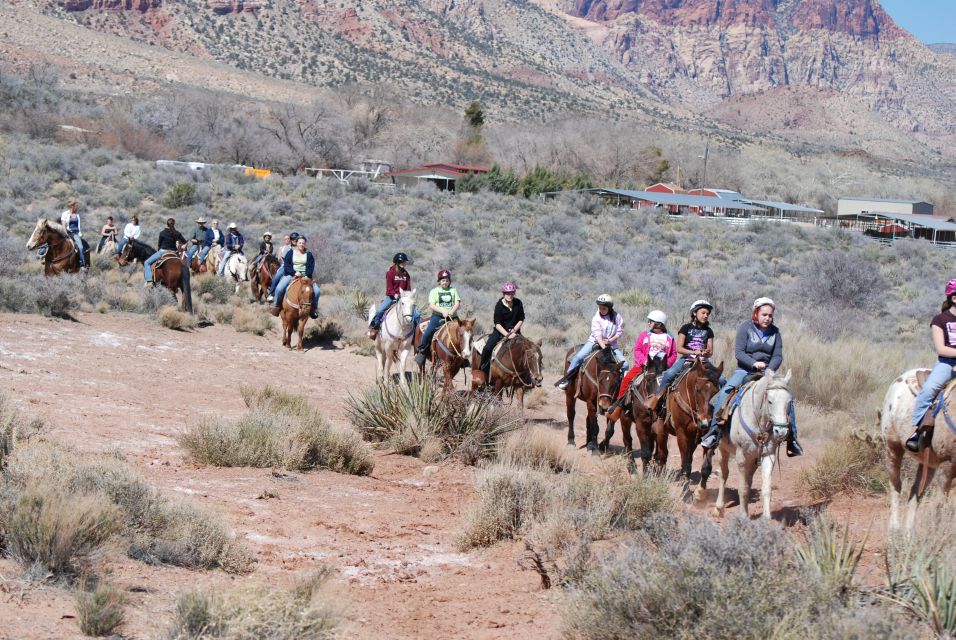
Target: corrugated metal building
(443, 175)
(854, 205)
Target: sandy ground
(120, 383)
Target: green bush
(100, 611)
(181, 194)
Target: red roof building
(441, 174)
(663, 187)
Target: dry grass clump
(172, 318)
(100, 610)
(279, 430)
(404, 419)
(303, 613)
(249, 319)
(510, 500)
(535, 398)
(154, 529)
(536, 449)
(851, 464)
(211, 288)
(14, 428)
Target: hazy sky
(929, 20)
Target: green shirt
(443, 298)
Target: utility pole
(706, 154)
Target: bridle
(409, 320)
(687, 404)
(302, 305)
(528, 359)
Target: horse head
(608, 377)
(703, 386)
(532, 359)
(303, 296)
(37, 238)
(406, 306)
(779, 400)
(125, 256)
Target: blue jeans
(938, 377)
(203, 252)
(583, 352)
(678, 365)
(223, 261)
(284, 283)
(735, 381)
(380, 312)
(148, 265)
(433, 323)
(79, 248)
(122, 243)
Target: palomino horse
(61, 254)
(261, 276)
(641, 390)
(687, 414)
(237, 268)
(170, 270)
(758, 427)
(448, 348)
(213, 258)
(296, 307)
(393, 344)
(896, 426)
(596, 384)
(515, 366)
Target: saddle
(479, 345)
(163, 259)
(733, 400)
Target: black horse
(135, 251)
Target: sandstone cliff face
(233, 6)
(120, 5)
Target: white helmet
(657, 316)
(759, 302)
(701, 304)
(605, 299)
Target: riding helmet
(399, 257)
(605, 299)
(759, 302)
(701, 304)
(293, 236)
(267, 234)
(951, 287)
(509, 287)
(657, 316)
(444, 273)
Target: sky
(929, 20)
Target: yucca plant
(934, 598)
(833, 554)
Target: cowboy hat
(201, 220)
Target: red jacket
(642, 346)
(396, 282)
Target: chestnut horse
(643, 418)
(596, 384)
(170, 271)
(448, 348)
(687, 414)
(515, 367)
(296, 307)
(261, 276)
(61, 254)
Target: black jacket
(506, 317)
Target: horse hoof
(698, 495)
(718, 512)
(571, 442)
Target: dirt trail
(120, 383)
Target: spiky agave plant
(833, 554)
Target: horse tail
(187, 289)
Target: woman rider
(758, 348)
(444, 303)
(694, 340)
(607, 326)
(397, 279)
(653, 343)
(943, 331)
(70, 219)
(298, 262)
(508, 318)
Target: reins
(514, 374)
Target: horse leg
(608, 434)
(287, 326)
(916, 496)
(706, 467)
(660, 436)
(766, 468)
(682, 446)
(382, 364)
(894, 461)
(591, 427)
(723, 472)
(301, 331)
(626, 433)
(747, 470)
(570, 402)
(519, 394)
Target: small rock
(429, 470)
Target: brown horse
(643, 418)
(170, 271)
(596, 384)
(448, 348)
(61, 254)
(515, 367)
(296, 307)
(687, 414)
(261, 275)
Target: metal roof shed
(922, 226)
(776, 205)
(672, 199)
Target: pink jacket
(602, 327)
(642, 345)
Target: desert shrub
(403, 418)
(536, 449)
(252, 320)
(181, 194)
(100, 610)
(210, 288)
(14, 428)
(279, 430)
(509, 502)
(851, 464)
(52, 296)
(845, 278)
(832, 555)
(155, 299)
(172, 318)
(304, 612)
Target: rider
(298, 262)
(444, 303)
(943, 331)
(653, 343)
(695, 339)
(397, 279)
(218, 237)
(265, 249)
(169, 240)
(758, 348)
(234, 242)
(130, 232)
(607, 326)
(70, 219)
(283, 252)
(509, 318)
(200, 241)
(285, 247)
(107, 232)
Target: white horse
(237, 268)
(394, 340)
(896, 425)
(759, 425)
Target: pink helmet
(951, 287)
(508, 287)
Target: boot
(420, 358)
(274, 310)
(372, 333)
(565, 382)
(712, 438)
(793, 447)
(914, 441)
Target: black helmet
(294, 236)
(399, 257)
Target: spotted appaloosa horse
(449, 348)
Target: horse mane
(607, 357)
(56, 226)
(777, 382)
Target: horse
(296, 307)
(448, 348)
(687, 415)
(643, 388)
(261, 276)
(237, 268)
(170, 270)
(109, 246)
(596, 384)
(515, 367)
(896, 426)
(61, 255)
(213, 258)
(393, 344)
(758, 426)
